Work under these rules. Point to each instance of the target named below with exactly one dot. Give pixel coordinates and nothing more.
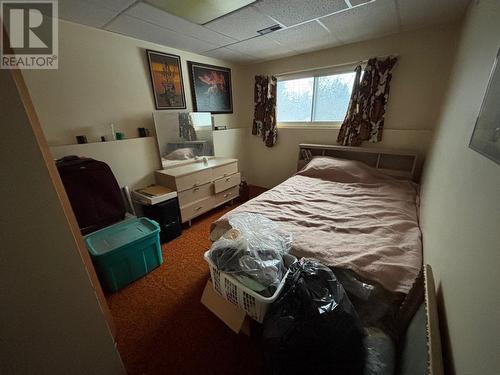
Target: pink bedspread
(348, 215)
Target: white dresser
(201, 187)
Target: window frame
(315, 73)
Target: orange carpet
(162, 328)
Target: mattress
(346, 214)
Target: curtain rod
(352, 63)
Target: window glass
(294, 100)
(332, 96)
(329, 95)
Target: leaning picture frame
(485, 138)
(166, 78)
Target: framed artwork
(210, 88)
(166, 79)
(486, 136)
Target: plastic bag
(252, 251)
(380, 353)
(376, 307)
(312, 328)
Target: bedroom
(445, 54)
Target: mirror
(183, 136)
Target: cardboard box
(153, 194)
(234, 317)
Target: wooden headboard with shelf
(401, 164)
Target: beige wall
(271, 166)
(460, 212)
(132, 160)
(50, 319)
(104, 78)
(419, 82)
(232, 143)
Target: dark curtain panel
(364, 120)
(264, 123)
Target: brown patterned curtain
(364, 120)
(264, 123)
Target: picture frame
(485, 138)
(211, 88)
(166, 79)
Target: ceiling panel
(85, 13)
(359, 2)
(234, 36)
(199, 11)
(242, 24)
(304, 37)
(163, 19)
(261, 47)
(228, 54)
(292, 12)
(146, 31)
(365, 22)
(117, 5)
(428, 12)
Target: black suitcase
(93, 192)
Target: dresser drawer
(197, 208)
(224, 171)
(227, 182)
(189, 196)
(226, 195)
(193, 180)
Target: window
(322, 98)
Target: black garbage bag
(312, 328)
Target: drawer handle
(196, 189)
(228, 179)
(195, 184)
(198, 208)
(227, 195)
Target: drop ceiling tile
(428, 12)
(166, 20)
(229, 55)
(292, 12)
(261, 48)
(136, 28)
(117, 5)
(369, 21)
(359, 2)
(199, 11)
(305, 37)
(242, 24)
(85, 13)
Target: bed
(350, 208)
(356, 210)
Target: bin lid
(119, 234)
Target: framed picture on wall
(486, 136)
(210, 88)
(166, 79)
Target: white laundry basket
(235, 292)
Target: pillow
(180, 154)
(341, 170)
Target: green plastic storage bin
(125, 251)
